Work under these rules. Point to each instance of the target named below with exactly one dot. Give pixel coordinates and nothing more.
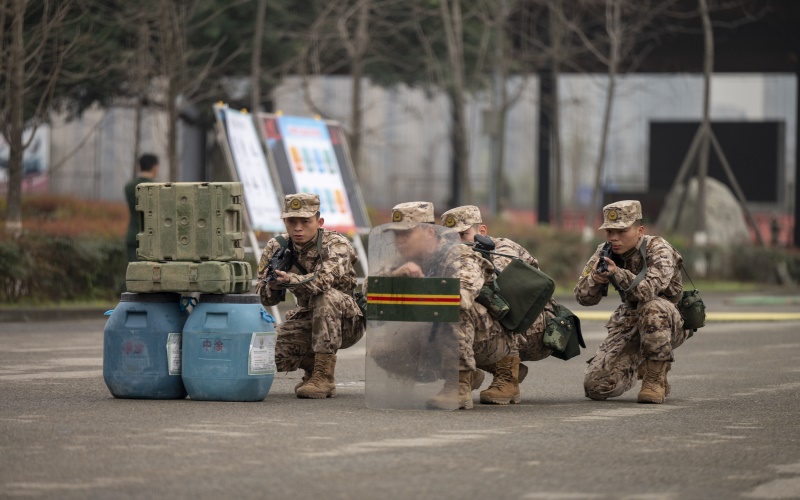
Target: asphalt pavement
(728, 430)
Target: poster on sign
(305, 155)
(260, 196)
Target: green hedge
(39, 269)
(47, 269)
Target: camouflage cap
(621, 214)
(460, 219)
(300, 205)
(408, 215)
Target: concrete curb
(23, 315)
(711, 316)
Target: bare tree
(32, 59)
(255, 62)
(619, 40)
(356, 49)
(502, 64)
(182, 80)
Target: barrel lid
(150, 297)
(229, 298)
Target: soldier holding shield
(424, 250)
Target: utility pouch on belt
(563, 334)
(693, 310)
(526, 290)
(490, 298)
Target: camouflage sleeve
(474, 271)
(336, 262)
(661, 267)
(587, 291)
(509, 247)
(268, 297)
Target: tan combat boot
(523, 372)
(654, 382)
(505, 385)
(321, 384)
(455, 394)
(307, 364)
(640, 375)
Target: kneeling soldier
(481, 339)
(646, 327)
(321, 276)
(509, 372)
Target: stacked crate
(190, 239)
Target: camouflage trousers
(482, 340)
(329, 322)
(530, 344)
(477, 339)
(651, 330)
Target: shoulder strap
(639, 277)
(319, 259)
(281, 241)
(687, 275)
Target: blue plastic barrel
(228, 349)
(141, 347)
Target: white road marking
(432, 441)
(53, 375)
(615, 413)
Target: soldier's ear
(483, 230)
(321, 221)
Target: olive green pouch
(693, 310)
(493, 301)
(563, 335)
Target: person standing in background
(148, 169)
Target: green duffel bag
(563, 334)
(526, 290)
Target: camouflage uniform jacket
(508, 247)
(663, 278)
(336, 268)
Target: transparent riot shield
(413, 306)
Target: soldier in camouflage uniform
(481, 338)
(645, 329)
(509, 372)
(326, 317)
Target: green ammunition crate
(203, 277)
(194, 221)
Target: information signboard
(260, 196)
(310, 156)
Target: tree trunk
(356, 116)
(613, 30)
(141, 76)
(556, 37)
(16, 75)
(708, 68)
(451, 16)
(255, 62)
(500, 105)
